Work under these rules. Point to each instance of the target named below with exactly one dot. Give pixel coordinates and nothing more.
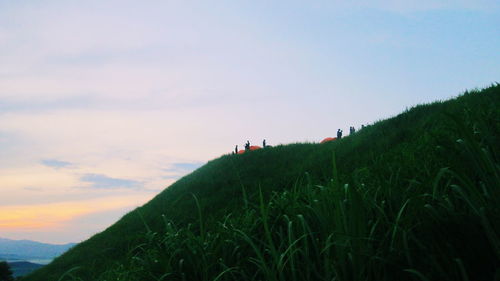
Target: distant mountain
(21, 268)
(12, 250)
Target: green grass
(414, 197)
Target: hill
(413, 197)
(21, 268)
(28, 250)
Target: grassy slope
(403, 154)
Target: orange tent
(253, 147)
(328, 139)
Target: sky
(103, 103)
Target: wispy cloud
(105, 182)
(31, 188)
(177, 170)
(172, 177)
(55, 163)
(34, 105)
(51, 215)
(183, 167)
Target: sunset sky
(103, 104)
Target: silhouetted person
(236, 149)
(339, 134)
(264, 143)
(352, 130)
(247, 145)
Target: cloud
(55, 163)
(30, 188)
(34, 105)
(180, 169)
(171, 177)
(105, 182)
(184, 166)
(46, 216)
(408, 5)
(18, 177)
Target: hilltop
(413, 197)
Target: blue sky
(112, 101)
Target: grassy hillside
(414, 197)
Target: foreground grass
(415, 197)
(339, 232)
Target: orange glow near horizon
(37, 217)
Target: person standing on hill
(236, 149)
(339, 134)
(264, 143)
(351, 130)
(247, 145)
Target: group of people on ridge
(248, 147)
(352, 130)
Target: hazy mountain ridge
(29, 250)
(21, 268)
